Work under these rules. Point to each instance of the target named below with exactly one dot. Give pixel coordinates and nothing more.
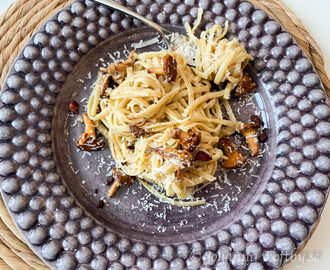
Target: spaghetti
(146, 100)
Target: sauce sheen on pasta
(163, 118)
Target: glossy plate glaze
(256, 220)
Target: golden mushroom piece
(189, 140)
(246, 85)
(169, 68)
(118, 70)
(121, 179)
(156, 70)
(105, 80)
(88, 140)
(234, 159)
(249, 131)
(180, 158)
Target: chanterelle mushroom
(105, 79)
(189, 140)
(137, 131)
(120, 179)
(118, 70)
(88, 140)
(246, 85)
(156, 70)
(249, 131)
(180, 158)
(169, 68)
(234, 159)
(202, 156)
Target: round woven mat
(18, 24)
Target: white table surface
(315, 16)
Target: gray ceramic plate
(256, 220)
